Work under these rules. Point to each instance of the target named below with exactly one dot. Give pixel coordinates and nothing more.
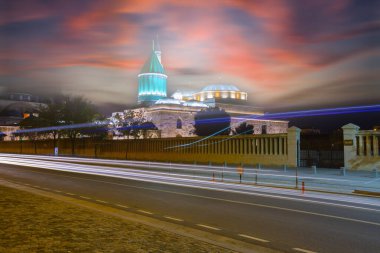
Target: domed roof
(221, 87)
(17, 109)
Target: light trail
(177, 167)
(281, 115)
(226, 139)
(287, 115)
(197, 182)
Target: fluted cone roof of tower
(153, 65)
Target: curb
(367, 193)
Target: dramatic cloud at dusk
(289, 54)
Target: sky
(285, 54)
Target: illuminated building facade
(174, 116)
(220, 92)
(152, 79)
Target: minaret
(152, 78)
(157, 49)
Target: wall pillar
(294, 134)
(368, 142)
(349, 141)
(376, 145)
(276, 142)
(361, 145)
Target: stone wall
(166, 122)
(166, 117)
(272, 127)
(361, 148)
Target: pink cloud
(20, 11)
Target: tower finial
(156, 48)
(156, 44)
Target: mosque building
(174, 116)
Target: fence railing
(270, 149)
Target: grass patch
(33, 223)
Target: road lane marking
(304, 250)
(122, 206)
(224, 200)
(83, 197)
(253, 238)
(143, 211)
(235, 201)
(48, 189)
(214, 189)
(27, 184)
(101, 201)
(68, 193)
(172, 218)
(58, 191)
(209, 227)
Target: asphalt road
(293, 223)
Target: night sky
(285, 54)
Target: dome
(220, 87)
(168, 101)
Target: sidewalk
(322, 179)
(328, 180)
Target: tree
(244, 128)
(212, 121)
(76, 110)
(30, 128)
(133, 120)
(52, 115)
(98, 129)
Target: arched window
(179, 124)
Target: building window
(179, 124)
(264, 129)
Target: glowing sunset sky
(284, 53)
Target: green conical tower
(152, 78)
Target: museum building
(174, 115)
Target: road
(279, 219)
